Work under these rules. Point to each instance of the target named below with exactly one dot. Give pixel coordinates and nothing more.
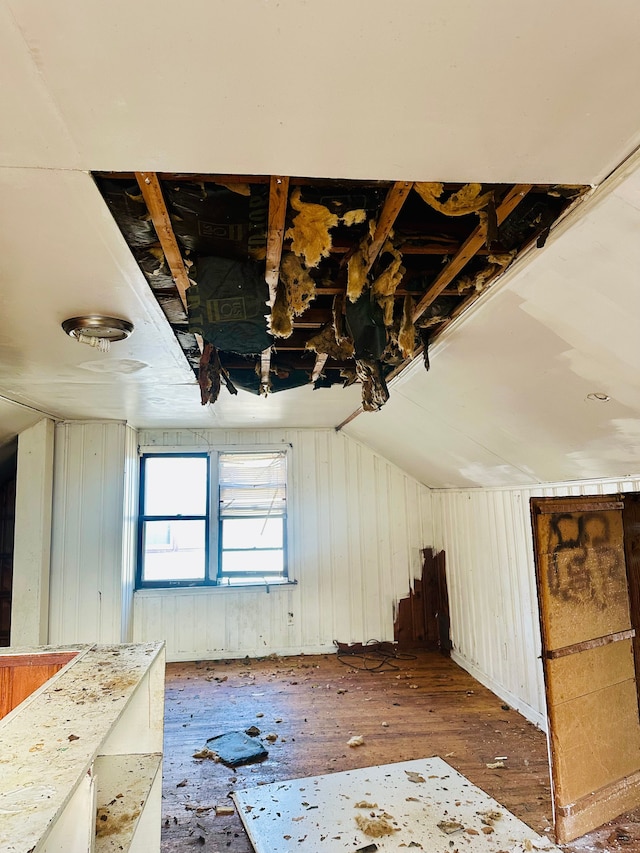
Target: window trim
(213, 543)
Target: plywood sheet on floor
(423, 804)
(315, 704)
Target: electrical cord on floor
(372, 656)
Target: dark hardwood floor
(427, 706)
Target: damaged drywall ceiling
(271, 282)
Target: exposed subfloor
(314, 705)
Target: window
(212, 518)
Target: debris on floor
(450, 826)
(356, 740)
(206, 753)
(235, 748)
(376, 826)
(414, 777)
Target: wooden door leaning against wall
(587, 633)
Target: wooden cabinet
(81, 756)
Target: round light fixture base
(98, 326)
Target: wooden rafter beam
(468, 250)
(278, 198)
(152, 194)
(391, 208)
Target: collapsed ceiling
(273, 282)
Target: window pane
(252, 533)
(175, 485)
(174, 550)
(253, 562)
(253, 484)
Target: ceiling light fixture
(97, 330)
(600, 396)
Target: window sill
(209, 589)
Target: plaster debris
(376, 827)
(356, 740)
(412, 776)
(450, 826)
(206, 753)
(309, 233)
(365, 804)
(495, 765)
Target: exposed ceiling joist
(152, 194)
(278, 198)
(392, 207)
(468, 250)
(439, 260)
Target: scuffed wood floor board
(314, 705)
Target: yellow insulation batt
(358, 265)
(468, 199)
(354, 217)
(301, 288)
(407, 334)
(392, 275)
(309, 232)
(325, 342)
(280, 320)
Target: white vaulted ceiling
(416, 90)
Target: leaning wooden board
(588, 660)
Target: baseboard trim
(536, 717)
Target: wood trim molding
(585, 645)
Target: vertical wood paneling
(487, 537)
(357, 526)
(87, 533)
(129, 531)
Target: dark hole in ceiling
(355, 278)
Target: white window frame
(212, 578)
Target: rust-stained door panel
(587, 635)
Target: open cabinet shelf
(81, 756)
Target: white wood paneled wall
(129, 531)
(357, 526)
(487, 537)
(86, 593)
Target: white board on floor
(423, 804)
